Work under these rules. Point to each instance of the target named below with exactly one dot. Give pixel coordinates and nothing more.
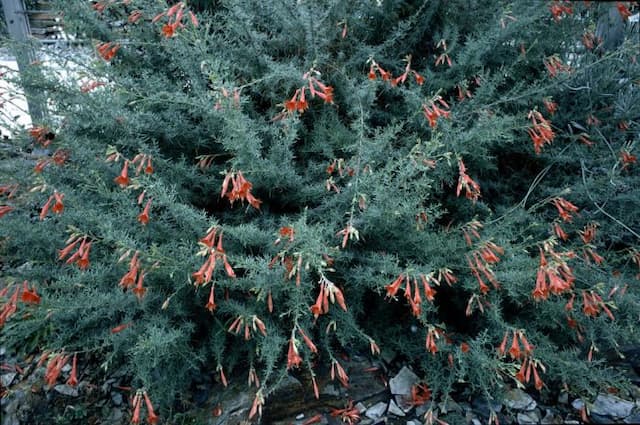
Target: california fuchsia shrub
(259, 187)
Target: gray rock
(577, 404)
(10, 419)
(300, 417)
(413, 422)
(423, 408)
(449, 405)
(484, 407)
(115, 417)
(7, 378)
(528, 418)
(516, 399)
(330, 390)
(632, 419)
(563, 398)
(67, 390)
(395, 410)
(475, 421)
(550, 419)
(403, 381)
(116, 398)
(376, 411)
(361, 408)
(612, 406)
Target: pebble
(66, 390)
(403, 382)
(395, 410)
(527, 418)
(361, 407)
(376, 411)
(116, 398)
(612, 406)
(7, 378)
(516, 399)
(563, 398)
(577, 404)
(300, 417)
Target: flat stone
(632, 419)
(527, 418)
(376, 411)
(7, 378)
(423, 408)
(413, 422)
(563, 398)
(67, 390)
(448, 406)
(395, 410)
(550, 419)
(361, 408)
(116, 398)
(577, 404)
(516, 399)
(330, 390)
(403, 382)
(612, 406)
(484, 407)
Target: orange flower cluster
(205, 273)
(588, 234)
(433, 112)
(444, 56)
(433, 334)
(554, 66)
(550, 105)
(560, 10)
(514, 352)
(415, 300)
(54, 367)
(328, 291)
(285, 232)
(59, 158)
(555, 277)
(386, 76)
(240, 189)
(541, 132)
(58, 206)
(299, 102)
(5, 209)
(471, 229)
(293, 358)
(256, 407)
(337, 369)
(627, 159)
(590, 41)
(107, 51)
(256, 325)
(133, 279)
(559, 232)
(471, 187)
(530, 367)
(123, 179)
(152, 418)
(349, 415)
(480, 264)
(81, 256)
(624, 11)
(42, 135)
(143, 162)
(592, 303)
(565, 209)
(27, 296)
(174, 15)
(90, 85)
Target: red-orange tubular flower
(29, 296)
(240, 189)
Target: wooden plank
(18, 28)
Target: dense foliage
(263, 186)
